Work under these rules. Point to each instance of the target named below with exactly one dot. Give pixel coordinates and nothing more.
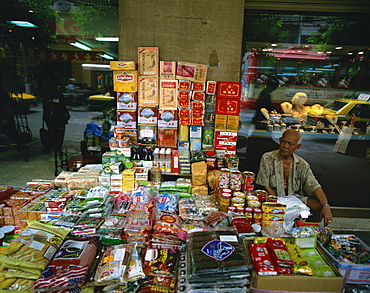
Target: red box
(211, 87)
(185, 121)
(229, 90)
(167, 137)
(198, 96)
(127, 118)
(167, 118)
(184, 85)
(226, 140)
(227, 106)
(198, 86)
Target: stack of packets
(277, 256)
(217, 260)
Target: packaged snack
(300, 261)
(113, 264)
(279, 253)
(262, 260)
(160, 262)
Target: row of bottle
(163, 160)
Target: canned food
(237, 202)
(225, 199)
(271, 198)
(253, 204)
(262, 195)
(248, 180)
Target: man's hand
(326, 214)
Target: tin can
(262, 195)
(271, 198)
(248, 180)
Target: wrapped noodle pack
(33, 249)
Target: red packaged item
(279, 252)
(198, 96)
(195, 105)
(226, 106)
(284, 270)
(197, 114)
(211, 87)
(184, 84)
(185, 121)
(197, 121)
(184, 112)
(198, 86)
(262, 260)
(242, 225)
(229, 90)
(184, 103)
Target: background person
(282, 172)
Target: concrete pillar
(198, 31)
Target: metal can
(253, 204)
(248, 180)
(262, 195)
(271, 198)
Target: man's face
(289, 143)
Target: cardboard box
(148, 60)
(227, 106)
(353, 273)
(167, 137)
(127, 101)
(148, 91)
(128, 179)
(127, 118)
(125, 81)
(191, 71)
(198, 86)
(122, 65)
(211, 87)
(221, 122)
(147, 134)
(233, 123)
(226, 140)
(295, 283)
(196, 131)
(147, 115)
(229, 90)
(341, 146)
(168, 94)
(167, 118)
(167, 69)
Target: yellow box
(125, 81)
(128, 179)
(122, 65)
(148, 60)
(221, 122)
(233, 123)
(148, 91)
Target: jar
(251, 197)
(257, 216)
(253, 204)
(240, 210)
(232, 162)
(237, 202)
(248, 212)
(225, 199)
(236, 180)
(224, 178)
(231, 209)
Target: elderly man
(282, 173)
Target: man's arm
(326, 212)
(269, 190)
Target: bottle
(168, 160)
(162, 158)
(156, 159)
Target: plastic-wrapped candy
(167, 202)
(262, 260)
(160, 262)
